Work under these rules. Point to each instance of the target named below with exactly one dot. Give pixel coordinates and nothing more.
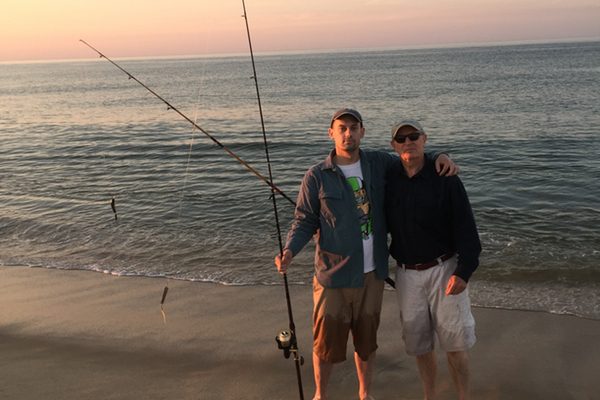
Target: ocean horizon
(245, 54)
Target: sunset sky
(45, 29)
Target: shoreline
(524, 296)
(75, 334)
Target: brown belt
(427, 265)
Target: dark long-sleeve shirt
(429, 216)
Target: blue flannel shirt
(326, 209)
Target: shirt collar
(426, 172)
(329, 164)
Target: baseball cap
(346, 111)
(407, 122)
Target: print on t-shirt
(363, 206)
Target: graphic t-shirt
(354, 177)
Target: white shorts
(425, 310)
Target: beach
(87, 335)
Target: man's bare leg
(427, 370)
(322, 371)
(458, 362)
(364, 372)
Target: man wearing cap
(436, 246)
(340, 203)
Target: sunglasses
(412, 136)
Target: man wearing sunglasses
(436, 246)
(340, 203)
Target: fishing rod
(274, 188)
(286, 340)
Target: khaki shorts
(339, 311)
(425, 310)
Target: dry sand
(85, 335)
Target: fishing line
(183, 186)
(286, 340)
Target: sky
(51, 29)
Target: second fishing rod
(286, 339)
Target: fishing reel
(286, 341)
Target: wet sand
(86, 335)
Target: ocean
(522, 121)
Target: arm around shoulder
(444, 166)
